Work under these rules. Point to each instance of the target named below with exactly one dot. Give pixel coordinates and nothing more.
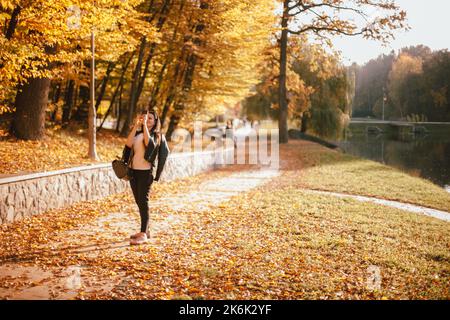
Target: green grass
(289, 244)
(330, 170)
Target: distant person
(236, 123)
(229, 127)
(144, 144)
(255, 125)
(229, 131)
(247, 124)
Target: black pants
(140, 181)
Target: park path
(107, 236)
(25, 281)
(438, 214)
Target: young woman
(144, 145)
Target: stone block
(32, 188)
(11, 196)
(19, 197)
(3, 210)
(19, 214)
(4, 190)
(10, 214)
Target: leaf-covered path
(108, 233)
(242, 232)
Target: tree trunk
(30, 104)
(166, 108)
(185, 71)
(81, 114)
(119, 110)
(172, 125)
(31, 101)
(119, 86)
(171, 94)
(305, 121)
(179, 105)
(162, 19)
(68, 102)
(157, 86)
(138, 79)
(92, 122)
(55, 100)
(13, 22)
(133, 90)
(188, 77)
(76, 97)
(177, 77)
(105, 79)
(144, 73)
(283, 104)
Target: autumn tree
(232, 51)
(424, 95)
(319, 88)
(327, 18)
(415, 81)
(371, 78)
(158, 12)
(188, 59)
(402, 68)
(207, 59)
(298, 90)
(39, 44)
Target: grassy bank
(330, 170)
(283, 243)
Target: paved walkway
(31, 282)
(438, 214)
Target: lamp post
(92, 153)
(92, 114)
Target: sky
(430, 25)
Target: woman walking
(144, 145)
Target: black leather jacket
(151, 152)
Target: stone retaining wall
(31, 194)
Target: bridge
(402, 130)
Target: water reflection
(426, 156)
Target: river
(426, 155)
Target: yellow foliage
(50, 35)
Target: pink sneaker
(140, 238)
(134, 236)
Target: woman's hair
(156, 129)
